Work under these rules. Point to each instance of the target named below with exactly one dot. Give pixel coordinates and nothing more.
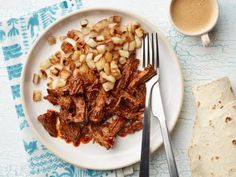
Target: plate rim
(77, 12)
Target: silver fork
(151, 56)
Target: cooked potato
(117, 40)
(52, 40)
(42, 74)
(107, 68)
(107, 86)
(55, 71)
(93, 34)
(62, 38)
(36, 79)
(100, 64)
(76, 55)
(113, 65)
(60, 83)
(112, 25)
(99, 26)
(108, 57)
(126, 46)
(90, 42)
(135, 25)
(100, 38)
(122, 60)
(78, 63)
(109, 78)
(91, 64)
(76, 35)
(90, 25)
(82, 58)
(44, 65)
(138, 42)
(139, 32)
(129, 28)
(115, 71)
(64, 74)
(86, 30)
(84, 23)
(101, 48)
(49, 83)
(96, 58)
(116, 19)
(37, 95)
(89, 57)
(75, 72)
(131, 45)
(67, 47)
(54, 60)
(83, 68)
(89, 61)
(124, 53)
(124, 29)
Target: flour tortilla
(214, 152)
(210, 98)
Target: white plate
(126, 150)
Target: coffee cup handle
(205, 40)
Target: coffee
(193, 16)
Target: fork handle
(145, 151)
(166, 138)
(168, 148)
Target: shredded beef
(65, 102)
(143, 76)
(97, 112)
(130, 68)
(52, 99)
(75, 85)
(88, 113)
(87, 134)
(55, 94)
(90, 77)
(69, 131)
(81, 110)
(49, 122)
(131, 126)
(105, 134)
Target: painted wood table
(198, 65)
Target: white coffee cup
(200, 15)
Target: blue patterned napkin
(16, 37)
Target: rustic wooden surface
(198, 65)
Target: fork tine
(144, 51)
(148, 49)
(157, 52)
(153, 51)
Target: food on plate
(96, 83)
(36, 79)
(212, 151)
(37, 95)
(52, 40)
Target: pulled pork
(87, 112)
